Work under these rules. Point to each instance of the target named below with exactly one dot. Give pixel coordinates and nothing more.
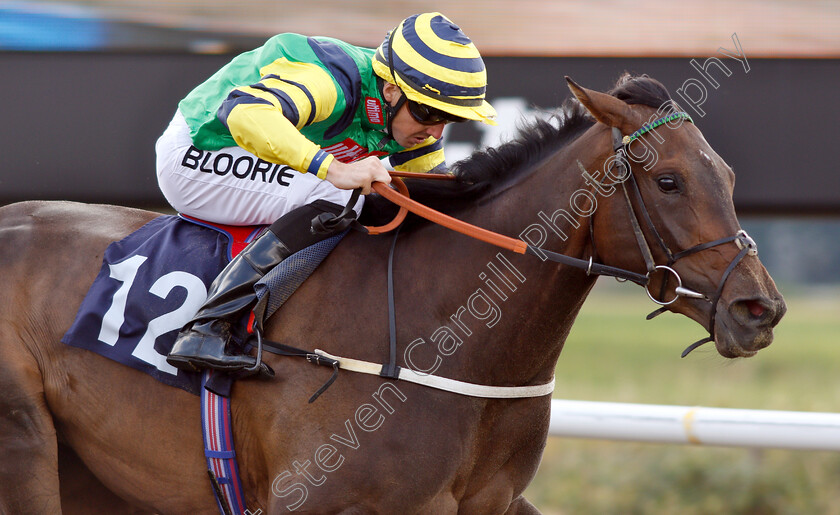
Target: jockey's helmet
(436, 65)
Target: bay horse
(82, 434)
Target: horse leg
(521, 506)
(82, 493)
(29, 467)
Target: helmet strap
(390, 110)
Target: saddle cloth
(150, 285)
(153, 282)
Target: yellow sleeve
(265, 118)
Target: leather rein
(743, 241)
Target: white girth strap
(443, 383)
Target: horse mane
(489, 171)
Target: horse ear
(605, 108)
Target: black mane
(487, 171)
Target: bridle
(630, 187)
(621, 143)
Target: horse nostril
(752, 311)
(755, 308)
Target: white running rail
(695, 425)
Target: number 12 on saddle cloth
(151, 283)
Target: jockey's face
(407, 131)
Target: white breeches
(232, 186)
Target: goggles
(428, 115)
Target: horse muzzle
(745, 325)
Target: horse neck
(527, 314)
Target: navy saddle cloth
(154, 281)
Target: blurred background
(87, 87)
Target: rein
(506, 242)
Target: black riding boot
(201, 344)
(203, 341)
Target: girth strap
(391, 369)
(217, 431)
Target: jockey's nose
(435, 131)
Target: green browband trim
(649, 127)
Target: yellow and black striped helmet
(434, 63)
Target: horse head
(669, 199)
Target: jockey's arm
(265, 119)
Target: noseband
(746, 244)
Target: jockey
(317, 106)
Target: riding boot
(202, 342)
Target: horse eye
(667, 184)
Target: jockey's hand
(359, 174)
